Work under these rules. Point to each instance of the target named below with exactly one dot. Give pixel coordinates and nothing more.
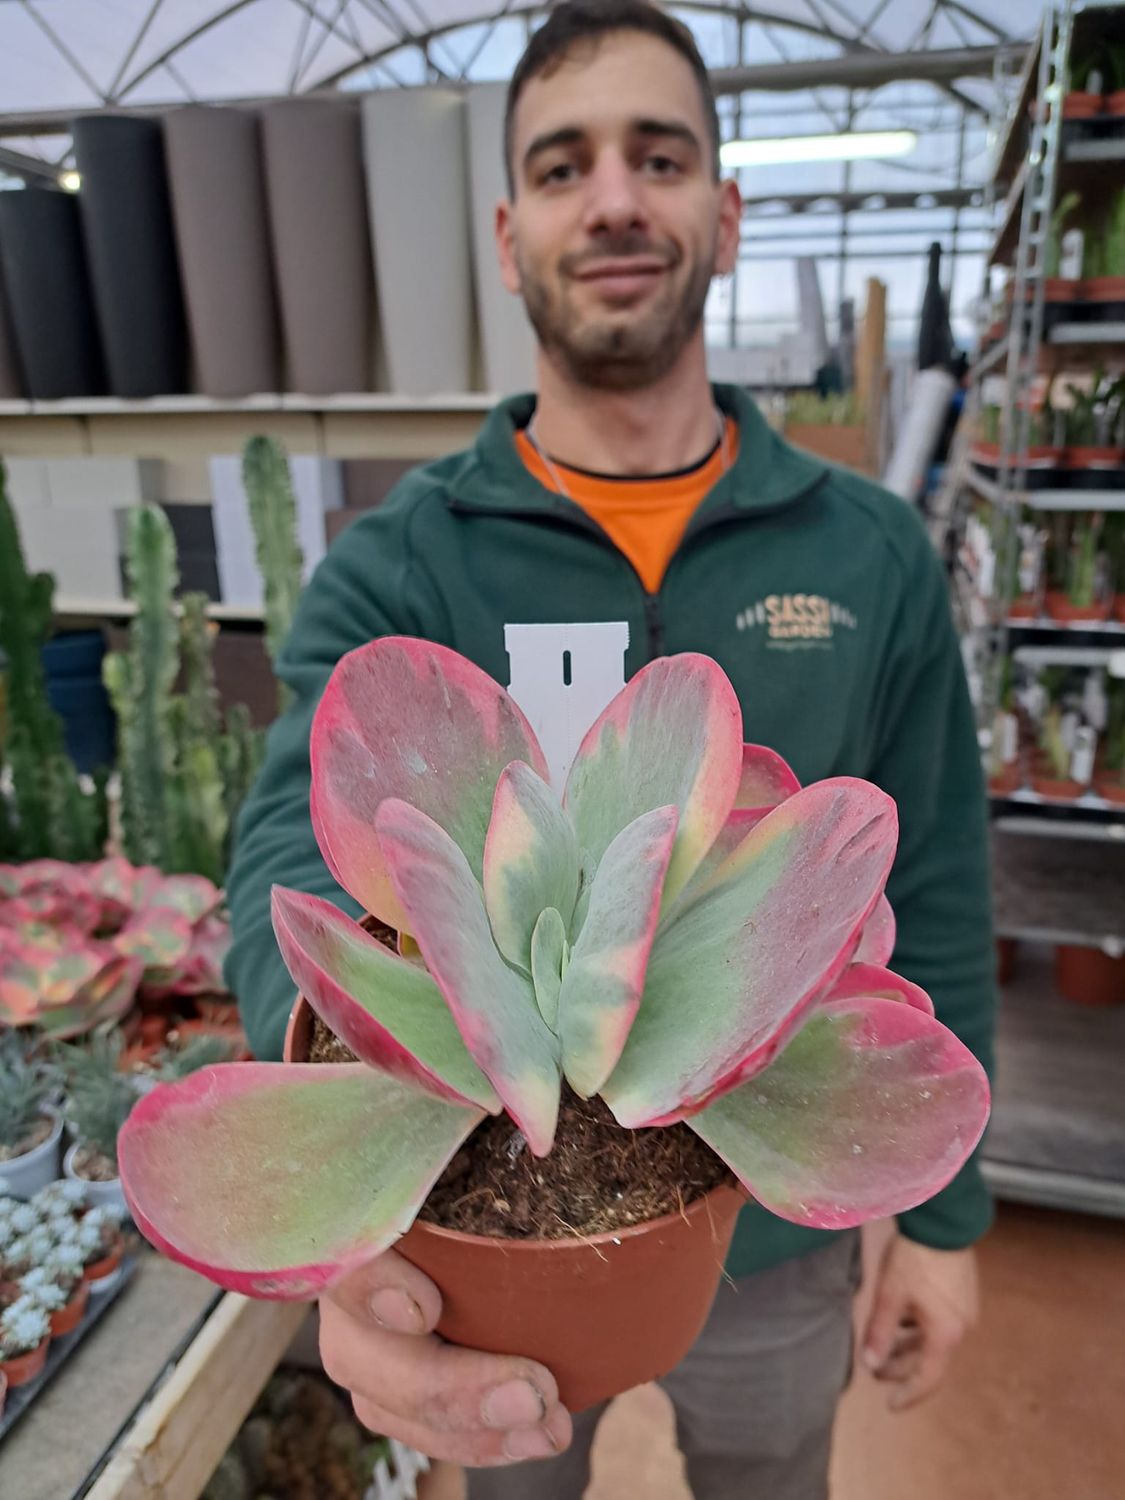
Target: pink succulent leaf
(276, 1180)
(762, 940)
(200, 971)
(43, 966)
(604, 979)
(106, 997)
(877, 941)
(732, 833)
(672, 737)
(160, 936)
(192, 896)
(550, 953)
(767, 780)
(871, 1109)
(412, 720)
(878, 983)
(530, 861)
(494, 1005)
(387, 1010)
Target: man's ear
(730, 228)
(506, 249)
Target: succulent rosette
(685, 931)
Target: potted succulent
(99, 1099)
(1051, 773)
(547, 972)
(25, 1334)
(30, 1129)
(60, 1288)
(1103, 287)
(1087, 595)
(1059, 291)
(97, 1239)
(1094, 453)
(1045, 460)
(1109, 778)
(1083, 98)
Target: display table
(149, 1402)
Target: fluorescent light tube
(857, 146)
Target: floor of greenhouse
(1033, 1408)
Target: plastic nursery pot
(1081, 106)
(1060, 608)
(986, 456)
(1115, 103)
(1105, 298)
(25, 1367)
(1056, 788)
(25, 1175)
(1087, 976)
(67, 1319)
(1026, 607)
(603, 1314)
(1110, 786)
(98, 1194)
(1006, 949)
(1046, 468)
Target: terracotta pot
(1006, 781)
(67, 1319)
(1006, 949)
(1026, 607)
(1060, 289)
(1060, 608)
(1058, 788)
(1079, 106)
(101, 1270)
(1110, 787)
(25, 1367)
(1104, 289)
(1115, 102)
(1087, 976)
(583, 1308)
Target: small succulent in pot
(28, 1086)
(64, 1265)
(24, 1326)
(44, 1289)
(99, 1100)
(686, 933)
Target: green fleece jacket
(816, 591)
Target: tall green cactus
(50, 815)
(183, 776)
(273, 515)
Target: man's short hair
(573, 22)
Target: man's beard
(610, 354)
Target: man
(630, 489)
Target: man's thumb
(882, 1327)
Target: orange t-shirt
(644, 517)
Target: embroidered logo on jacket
(797, 620)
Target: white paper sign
(563, 677)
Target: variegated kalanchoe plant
(686, 932)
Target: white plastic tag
(563, 677)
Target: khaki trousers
(755, 1399)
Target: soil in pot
(40, 1132)
(91, 1166)
(564, 1259)
(1087, 976)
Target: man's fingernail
(516, 1404)
(396, 1311)
(532, 1442)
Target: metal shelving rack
(1058, 1132)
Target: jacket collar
(767, 475)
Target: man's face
(617, 224)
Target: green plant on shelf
(99, 1096)
(1114, 738)
(1054, 251)
(1104, 254)
(990, 420)
(273, 516)
(184, 774)
(1085, 560)
(1052, 741)
(808, 410)
(49, 813)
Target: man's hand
(925, 1302)
(377, 1341)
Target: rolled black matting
(43, 263)
(317, 198)
(127, 221)
(11, 380)
(222, 233)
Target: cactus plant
(183, 775)
(99, 1096)
(686, 933)
(50, 813)
(273, 515)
